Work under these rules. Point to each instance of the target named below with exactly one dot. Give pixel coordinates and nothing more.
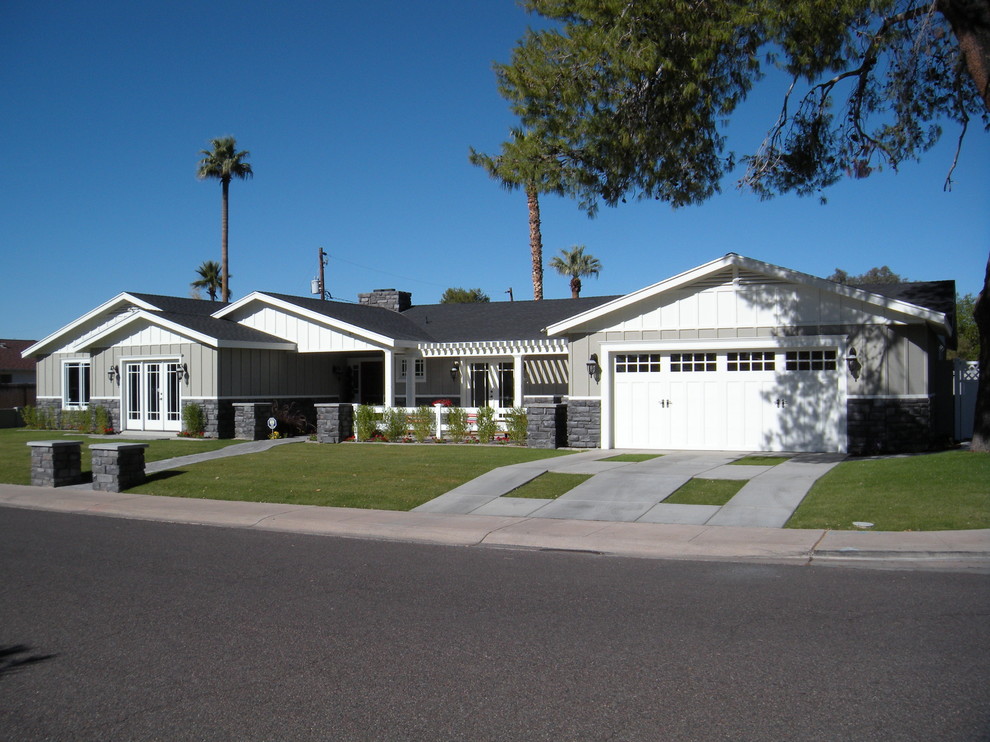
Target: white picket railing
(440, 412)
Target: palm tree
(210, 278)
(575, 263)
(224, 162)
(529, 163)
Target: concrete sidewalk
(945, 550)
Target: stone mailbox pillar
(55, 463)
(334, 422)
(250, 420)
(546, 425)
(117, 466)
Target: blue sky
(358, 117)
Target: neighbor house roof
(10, 355)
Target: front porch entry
(152, 399)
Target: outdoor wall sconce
(455, 369)
(113, 373)
(852, 362)
(184, 372)
(592, 366)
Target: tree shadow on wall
(809, 412)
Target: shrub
(487, 427)
(29, 415)
(517, 424)
(193, 421)
(291, 420)
(394, 424)
(457, 424)
(422, 421)
(101, 421)
(365, 424)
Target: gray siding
(258, 373)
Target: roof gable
(777, 296)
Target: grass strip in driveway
(351, 475)
(634, 457)
(760, 460)
(949, 490)
(705, 492)
(548, 486)
(15, 456)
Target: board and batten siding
(894, 356)
(245, 372)
(309, 336)
(200, 360)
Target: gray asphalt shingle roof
(376, 319)
(195, 314)
(503, 320)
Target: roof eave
(121, 298)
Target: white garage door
(758, 400)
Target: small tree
(464, 296)
(210, 278)
(421, 422)
(518, 425)
(487, 427)
(457, 424)
(365, 424)
(394, 424)
(575, 263)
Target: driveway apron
(635, 492)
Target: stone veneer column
(334, 422)
(584, 423)
(55, 463)
(117, 466)
(250, 420)
(888, 425)
(546, 425)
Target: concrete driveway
(635, 492)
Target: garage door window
(748, 360)
(637, 363)
(810, 360)
(692, 362)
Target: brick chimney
(397, 301)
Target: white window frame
(77, 364)
(419, 369)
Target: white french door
(151, 395)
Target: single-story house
(735, 354)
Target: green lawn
(705, 492)
(949, 490)
(548, 486)
(760, 460)
(634, 457)
(348, 475)
(15, 456)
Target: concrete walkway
(635, 492)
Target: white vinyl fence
(440, 413)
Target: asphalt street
(122, 629)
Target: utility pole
(319, 285)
